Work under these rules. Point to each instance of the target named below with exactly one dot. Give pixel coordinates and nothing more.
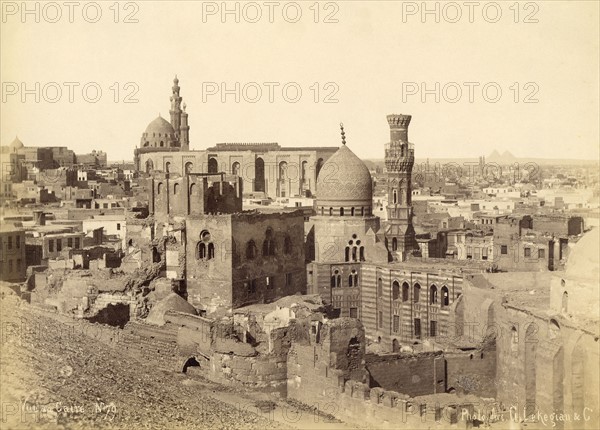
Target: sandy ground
(48, 382)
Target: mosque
(267, 169)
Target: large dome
(344, 182)
(160, 126)
(584, 260)
(159, 134)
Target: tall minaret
(176, 107)
(399, 161)
(184, 131)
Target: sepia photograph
(320, 215)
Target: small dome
(344, 180)
(16, 144)
(160, 125)
(584, 260)
(173, 302)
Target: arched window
(162, 143)
(268, 244)
(405, 292)
(318, 168)
(322, 211)
(353, 279)
(200, 251)
(395, 196)
(362, 211)
(189, 166)
(159, 188)
(250, 250)
(416, 292)
(287, 245)
(341, 211)
(347, 254)
(336, 279)
(175, 188)
(304, 166)
(394, 244)
(282, 171)
(330, 211)
(445, 296)
(565, 302)
(433, 294)
(351, 211)
(167, 166)
(205, 249)
(395, 290)
(149, 166)
(354, 253)
(514, 339)
(362, 253)
(235, 168)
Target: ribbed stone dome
(344, 181)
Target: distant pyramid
(494, 155)
(507, 155)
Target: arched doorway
(213, 165)
(259, 175)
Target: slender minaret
(399, 161)
(184, 131)
(176, 107)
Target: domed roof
(16, 144)
(344, 178)
(160, 125)
(172, 302)
(584, 260)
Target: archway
(190, 362)
(213, 165)
(259, 175)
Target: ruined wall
(267, 275)
(472, 372)
(411, 374)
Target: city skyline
(396, 56)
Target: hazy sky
(378, 55)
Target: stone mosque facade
(266, 169)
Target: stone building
(266, 169)
(545, 326)
(226, 257)
(12, 252)
(360, 267)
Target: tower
(175, 106)
(399, 161)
